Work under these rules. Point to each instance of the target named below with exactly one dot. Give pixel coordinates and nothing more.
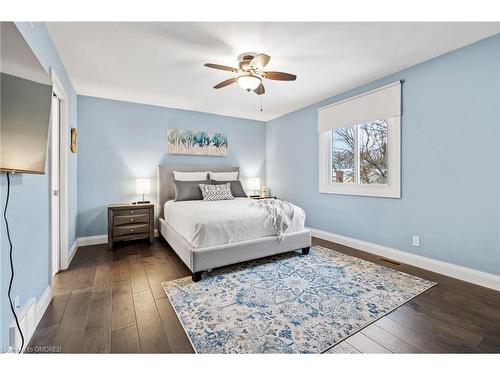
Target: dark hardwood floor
(112, 302)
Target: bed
(212, 234)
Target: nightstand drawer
(130, 222)
(131, 219)
(140, 211)
(130, 229)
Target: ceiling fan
(249, 74)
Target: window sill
(367, 191)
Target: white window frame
(390, 190)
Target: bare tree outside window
(373, 152)
(365, 143)
(343, 155)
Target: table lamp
(143, 186)
(254, 184)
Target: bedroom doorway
(55, 205)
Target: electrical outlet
(415, 241)
(17, 302)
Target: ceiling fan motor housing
(244, 60)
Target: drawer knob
(131, 212)
(131, 230)
(131, 219)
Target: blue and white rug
(289, 303)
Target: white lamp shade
(254, 183)
(248, 82)
(143, 185)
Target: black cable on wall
(11, 262)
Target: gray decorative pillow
(216, 192)
(236, 188)
(189, 190)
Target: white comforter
(211, 223)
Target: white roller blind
(377, 104)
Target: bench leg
(196, 276)
(305, 250)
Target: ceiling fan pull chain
(260, 96)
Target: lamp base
(140, 202)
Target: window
(343, 155)
(364, 158)
(372, 141)
(359, 153)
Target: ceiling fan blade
(225, 83)
(260, 61)
(221, 67)
(260, 89)
(279, 76)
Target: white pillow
(223, 176)
(190, 176)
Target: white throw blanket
(279, 212)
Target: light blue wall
(449, 198)
(450, 163)
(120, 141)
(29, 206)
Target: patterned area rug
(289, 303)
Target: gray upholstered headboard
(165, 189)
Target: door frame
(64, 140)
(55, 177)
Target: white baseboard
(470, 275)
(92, 240)
(42, 303)
(72, 252)
(29, 317)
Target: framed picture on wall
(196, 142)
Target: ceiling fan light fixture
(248, 82)
(250, 74)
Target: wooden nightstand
(130, 222)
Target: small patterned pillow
(216, 192)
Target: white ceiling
(162, 63)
